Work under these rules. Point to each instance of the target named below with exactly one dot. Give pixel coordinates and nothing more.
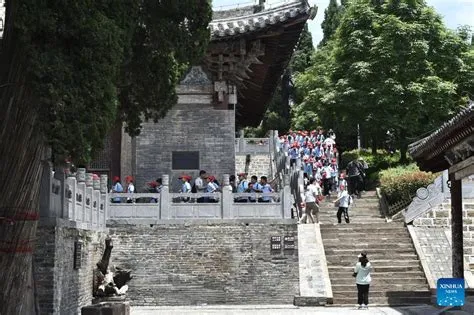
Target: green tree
(332, 17)
(68, 70)
(393, 66)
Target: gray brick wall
(187, 127)
(215, 263)
(259, 164)
(61, 288)
(440, 217)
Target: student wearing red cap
(186, 186)
(117, 188)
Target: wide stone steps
(391, 298)
(379, 289)
(419, 279)
(374, 256)
(342, 242)
(397, 278)
(356, 250)
(376, 262)
(381, 269)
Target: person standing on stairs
(311, 196)
(362, 271)
(343, 201)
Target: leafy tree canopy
(392, 65)
(92, 62)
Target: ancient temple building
(249, 50)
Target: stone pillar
(165, 200)
(88, 200)
(241, 141)
(457, 228)
(81, 190)
(61, 175)
(45, 190)
(96, 183)
(227, 198)
(81, 175)
(89, 181)
(286, 202)
(103, 184)
(104, 195)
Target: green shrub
(402, 182)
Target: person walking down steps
(362, 271)
(343, 201)
(312, 208)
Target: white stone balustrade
(81, 200)
(178, 206)
(85, 202)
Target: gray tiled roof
(442, 138)
(243, 24)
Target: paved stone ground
(468, 309)
(260, 310)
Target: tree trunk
(403, 153)
(374, 145)
(403, 148)
(21, 151)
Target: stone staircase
(398, 278)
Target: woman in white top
(362, 271)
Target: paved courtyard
(285, 310)
(259, 310)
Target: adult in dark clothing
(355, 173)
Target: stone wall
(259, 164)
(214, 263)
(194, 124)
(61, 288)
(440, 216)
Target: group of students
(318, 154)
(254, 187)
(206, 183)
(118, 188)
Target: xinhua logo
(450, 292)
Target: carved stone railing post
(88, 200)
(80, 194)
(227, 199)
(241, 142)
(165, 202)
(104, 200)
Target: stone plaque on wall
(185, 160)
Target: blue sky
(454, 12)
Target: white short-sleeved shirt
(311, 192)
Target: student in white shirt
(342, 202)
(311, 196)
(362, 271)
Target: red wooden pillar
(456, 227)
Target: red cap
(185, 177)
(242, 174)
(152, 184)
(128, 179)
(116, 179)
